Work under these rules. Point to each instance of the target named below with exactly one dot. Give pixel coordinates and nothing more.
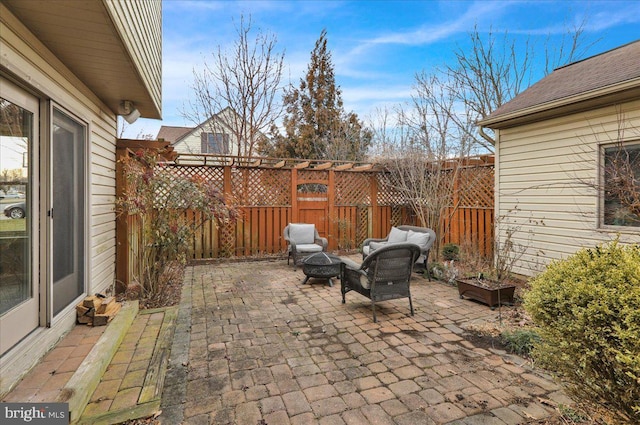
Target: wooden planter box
(486, 293)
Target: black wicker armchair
(384, 275)
(303, 240)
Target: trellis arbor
(344, 200)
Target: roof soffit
(85, 39)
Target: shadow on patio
(255, 346)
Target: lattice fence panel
(352, 188)
(213, 175)
(306, 175)
(275, 188)
(477, 187)
(239, 185)
(387, 195)
(261, 187)
(396, 215)
(227, 239)
(362, 226)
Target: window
(214, 143)
(621, 177)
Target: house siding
(25, 62)
(541, 191)
(140, 26)
(221, 122)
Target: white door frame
(21, 320)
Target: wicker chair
(422, 236)
(383, 275)
(303, 240)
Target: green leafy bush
(450, 252)
(587, 309)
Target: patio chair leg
(411, 305)
(373, 307)
(426, 269)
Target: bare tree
(236, 94)
(495, 70)
(423, 154)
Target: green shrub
(587, 309)
(520, 341)
(450, 252)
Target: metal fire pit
(321, 265)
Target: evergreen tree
(315, 123)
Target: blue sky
(377, 47)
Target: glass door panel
(19, 297)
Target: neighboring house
(213, 136)
(553, 142)
(66, 68)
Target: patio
(255, 346)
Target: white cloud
(478, 12)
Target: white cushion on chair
(302, 233)
(308, 247)
(396, 235)
(418, 238)
(364, 281)
(376, 245)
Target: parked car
(11, 195)
(18, 210)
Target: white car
(16, 210)
(12, 195)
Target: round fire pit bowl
(322, 266)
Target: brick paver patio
(255, 346)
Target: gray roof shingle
(606, 69)
(172, 134)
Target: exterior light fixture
(129, 111)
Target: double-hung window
(217, 143)
(621, 184)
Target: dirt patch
(485, 341)
(289, 300)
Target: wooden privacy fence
(346, 201)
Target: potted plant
(488, 291)
(497, 289)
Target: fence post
(122, 231)
(454, 216)
(375, 214)
(294, 195)
(334, 230)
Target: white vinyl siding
(546, 183)
(139, 25)
(53, 81)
